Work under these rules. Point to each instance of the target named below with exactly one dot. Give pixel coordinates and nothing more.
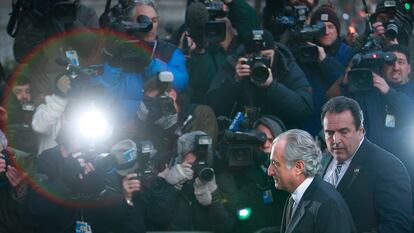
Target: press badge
(267, 196)
(72, 55)
(389, 121)
(83, 227)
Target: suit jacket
(376, 187)
(319, 211)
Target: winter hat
(125, 153)
(326, 13)
(275, 125)
(250, 44)
(186, 144)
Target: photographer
(164, 114)
(248, 188)
(14, 214)
(331, 58)
(69, 173)
(264, 75)
(392, 22)
(39, 21)
(275, 13)
(213, 30)
(194, 203)
(20, 110)
(388, 105)
(133, 54)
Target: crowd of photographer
(106, 127)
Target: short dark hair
(400, 49)
(340, 104)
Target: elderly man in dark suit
(314, 205)
(373, 182)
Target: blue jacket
(124, 90)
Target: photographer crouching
(191, 200)
(68, 183)
(265, 75)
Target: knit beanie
(326, 13)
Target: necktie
(336, 173)
(289, 210)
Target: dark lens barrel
(206, 174)
(260, 73)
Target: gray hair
(150, 3)
(301, 146)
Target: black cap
(252, 42)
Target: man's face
(330, 35)
(190, 158)
(22, 93)
(341, 136)
(152, 14)
(267, 145)
(398, 72)
(283, 176)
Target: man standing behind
(373, 182)
(314, 205)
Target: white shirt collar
(300, 190)
(345, 165)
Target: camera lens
(206, 174)
(260, 73)
(391, 30)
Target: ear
(300, 166)
(173, 94)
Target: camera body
(360, 76)
(259, 66)
(258, 63)
(201, 168)
(240, 141)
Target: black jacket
(377, 189)
(288, 97)
(321, 210)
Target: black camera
(201, 167)
(259, 66)
(306, 52)
(360, 76)
(258, 63)
(392, 28)
(118, 18)
(240, 142)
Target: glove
(202, 192)
(63, 84)
(179, 174)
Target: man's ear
(300, 166)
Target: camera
(258, 63)
(9, 159)
(201, 168)
(392, 29)
(305, 52)
(360, 76)
(240, 142)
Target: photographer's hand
(380, 83)
(63, 84)
(87, 167)
(203, 191)
(179, 173)
(321, 50)
(242, 69)
(130, 185)
(379, 29)
(15, 176)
